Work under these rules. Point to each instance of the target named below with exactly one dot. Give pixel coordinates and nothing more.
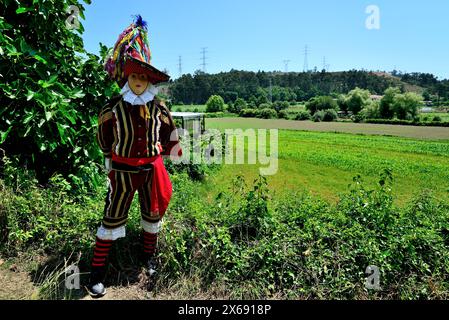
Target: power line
(306, 62)
(286, 65)
(203, 51)
(325, 65)
(180, 66)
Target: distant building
(376, 97)
(426, 110)
(194, 122)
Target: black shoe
(96, 287)
(151, 266)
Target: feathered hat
(131, 53)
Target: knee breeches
(122, 187)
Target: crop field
(324, 163)
(427, 133)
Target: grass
(189, 108)
(324, 163)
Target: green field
(189, 108)
(324, 163)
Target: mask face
(138, 82)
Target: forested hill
(197, 88)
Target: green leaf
(40, 59)
(28, 118)
(23, 10)
(67, 115)
(62, 132)
(30, 95)
(4, 135)
(78, 94)
(48, 115)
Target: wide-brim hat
(131, 54)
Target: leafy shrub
(249, 113)
(267, 113)
(318, 116)
(281, 105)
(357, 99)
(239, 105)
(321, 103)
(264, 106)
(371, 111)
(261, 247)
(283, 114)
(303, 115)
(330, 115)
(215, 103)
(359, 117)
(436, 119)
(53, 93)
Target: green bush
(321, 103)
(264, 106)
(215, 103)
(257, 246)
(53, 91)
(359, 117)
(330, 115)
(239, 105)
(437, 119)
(318, 116)
(281, 105)
(283, 114)
(303, 115)
(249, 113)
(267, 113)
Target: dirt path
(15, 284)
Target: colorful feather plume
(133, 42)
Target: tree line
(264, 86)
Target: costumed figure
(135, 130)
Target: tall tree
(51, 88)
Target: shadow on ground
(125, 278)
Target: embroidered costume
(134, 132)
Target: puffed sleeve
(105, 130)
(168, 133)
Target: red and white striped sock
(149, 243)
(101, 252)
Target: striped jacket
(129, 131)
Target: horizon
(272, 36)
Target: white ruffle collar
(134, 99)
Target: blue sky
(260, 34)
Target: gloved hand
(108, 164)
